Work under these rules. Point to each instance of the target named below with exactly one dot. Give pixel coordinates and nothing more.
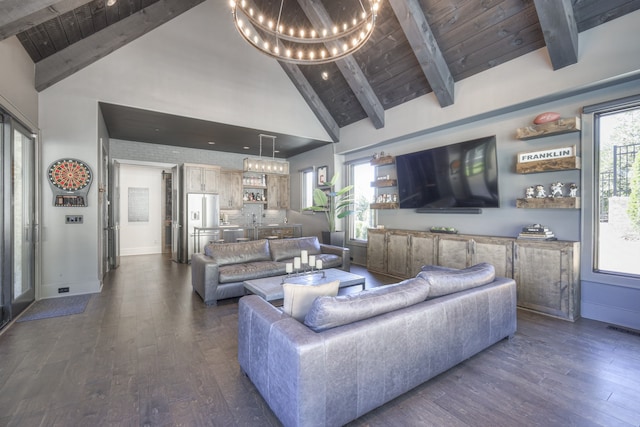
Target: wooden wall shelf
(549, 203)
(564, 163)
(383, 206)
(571, 124)
(386, 160)
(384, 183)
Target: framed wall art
(321, 176)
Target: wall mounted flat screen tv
(462, 175)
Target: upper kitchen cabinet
(277, 192)
(201, 178)
(230, 189)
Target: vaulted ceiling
(418, 46)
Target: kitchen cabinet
(230, 189)
(201, 178)
(277, 191)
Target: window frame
(306, 174)
(350, 165)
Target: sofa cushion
(299, 298)
(330, 312)
(236, 253)
(249, 270)
(282, 249)
(446, 281)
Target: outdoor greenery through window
(618, 229)
(307, 188)
(361, 176)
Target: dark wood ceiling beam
(17, 16)
(560, 31)
(425, 47)
(85, 52)
(348, 66)
(311, 97)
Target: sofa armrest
(204, 277)
(344, 253)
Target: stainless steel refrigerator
(202, 214)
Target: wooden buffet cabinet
(546, 272)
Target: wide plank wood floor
(147, 352)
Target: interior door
(175, 214)
(114, 217)
(103, 201)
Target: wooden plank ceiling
(418, 46)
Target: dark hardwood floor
(146, 351)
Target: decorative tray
(446, 230)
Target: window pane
(362, 175)
(307, 188)
(618, 231)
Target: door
(114, 217)
(175, 212)
(103, 202)
(18, 217)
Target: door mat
(55, 307)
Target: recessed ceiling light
(211, 143)
(246, 148)
(325, 75)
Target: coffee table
(270, 288)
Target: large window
(361, 175)
(617, 234)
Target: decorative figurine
(529, 193)
(573, 189)
(540, 193)
(556, 189)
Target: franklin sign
(556, 153)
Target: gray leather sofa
(356, 352)
(220, 271)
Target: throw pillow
(445, 282)
(299, 298)
(330, 312)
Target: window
(306, 176)
(617, 180)
(361, 175)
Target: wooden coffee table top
(270, 288)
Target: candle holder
(301, 273)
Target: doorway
(17, 217)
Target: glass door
(18, 219)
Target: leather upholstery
(221, 273)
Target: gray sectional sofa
(356, 352)
(220, 271)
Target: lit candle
(319, 264)
(305, 257)
(296, 263)
(312, 260)
(289, 267)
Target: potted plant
(336, 204)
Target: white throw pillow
(299, 298)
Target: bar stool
(218, 241)
(242, 239)
(272, 237)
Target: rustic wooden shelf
(549, 203)
(567, 125)
(564, 163)
(384, 183)
(383, 206)
(387, 160)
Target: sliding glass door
(18, 217)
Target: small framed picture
(321, 174)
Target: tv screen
(462, 175)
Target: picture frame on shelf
(321, 176)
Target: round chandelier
(285, 41)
